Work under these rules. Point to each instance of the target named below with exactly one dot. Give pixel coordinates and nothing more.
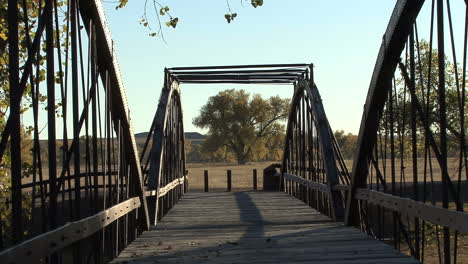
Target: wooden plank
(454, 220)
(311, 184)
(164, 190)
(253, 227)
(36, 248)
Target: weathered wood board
(253, 227)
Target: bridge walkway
(253, 227)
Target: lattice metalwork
(166, 178)
(410, 172)
(71, 181)
(313, 169)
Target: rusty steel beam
(107, 63)
(238, 67)
(169, 102)
(326, 149)
(241, 81)
(394, 39)
(239, 71)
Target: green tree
(27, 25)
(275, 146)
(29, 11)
(347, 143)
(426, 76)
(194, 154)
(269, 148)
(238, 121)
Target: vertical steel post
(414, 142)
(443, 120)
(206, 180)
(76, 133)
(254, 171)
(15, 96)
(229, 180)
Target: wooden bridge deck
(253, 227)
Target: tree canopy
(238, 121)
(347, 143)
(426, 85)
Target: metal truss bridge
(74, 188)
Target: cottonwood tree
(28, 14)
(347, 143)
(237, 120)
(426, 80)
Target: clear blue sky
(341, 38)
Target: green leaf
(173, 22)
(122, 3)
(256, 3)
(228, 17)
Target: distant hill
(194, 136)
(142, 134)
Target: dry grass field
(242, 175)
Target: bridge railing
(164, 162)
(409, 177)
(70, 178)
(313, 168)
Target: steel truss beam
(301, 142)
(393, 42)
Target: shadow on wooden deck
(253, 227)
